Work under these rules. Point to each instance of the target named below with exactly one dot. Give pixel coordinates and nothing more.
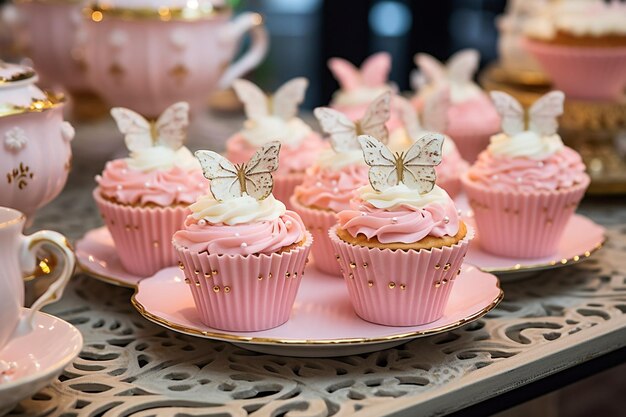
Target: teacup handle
(243, 23)
(60, 248)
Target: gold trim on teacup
(51, 101)
(14, 221)
(101, 11)
(20, 76)
(304, 342)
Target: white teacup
(17, 258)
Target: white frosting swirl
(580, 18)
(361, 95)
(335, 161)
(402, 195)
(162, 158)
(261, 131)
(240, 210)
(526, 144)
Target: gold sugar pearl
(269, 276)
(216, 288)
(365, 265)
(196, 272)
(338, 258)
(437, 266)
(181, 266)
(295, 275)
(187, 281)
(437, 284)
(352, 265)
(403, 286)
(370, 284)
(226, 289)
(207, 275)
(197, 283)
(446, 267)
(287, 274)
(214, 272)
(351, 275)
(445, 281)
(392, 285)
(260, 277)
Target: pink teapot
(148, 54)
(35, 152)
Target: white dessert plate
(581, 238)
(34, 360)
(322, 323)
(96, 255)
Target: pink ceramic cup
(147, 62)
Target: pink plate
(96, 256)
(581, 238)
(36, 358)
(322, 323)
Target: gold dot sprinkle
(587, 254)
(260, 277)
(352, 265)
(447, 266)
(226, 289)
(351, 275)
(338, 258)
(295, 275)
(197, 283)
(187, 281)
(269, 276)
(181, 266)
(437, 284)
(216, 288)
(214, 272)
(370, 284)
(403, 286)
(365, 265)
(563, 261)
(287, 274)
(445, 281)
(196, 272)
(437, 266)
(576, 258)
(207, 275)
(392, 285)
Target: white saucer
(322, 323)
(37, 358)
(581, 238)
(96, 255)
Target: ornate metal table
(129, 366)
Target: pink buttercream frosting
(402, 224)
(265, 237)
(329, 188)
(559, 171)
(475, 116)
(292, 159)
(163, 188)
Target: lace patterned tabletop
(130, 366)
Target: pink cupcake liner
(399, 288)
(285, 184)
(318, 222)
(142, 235)
(583, 72)
(470, 144)
(522, 225)
(244, 293)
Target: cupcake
(242, 252)
(401, 244)
(330, 183)
(472, 118)
(582, 47)
(143, 198)
(434, 119)
(269, 118)
(526, 185)
(359, 87)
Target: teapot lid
(164, 10)
(19, 94)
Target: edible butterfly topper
(374, 71)
(459, 69)
(344, 132)
(283, 104)
(414, 168)
(229, 181)
(434, 116)
(540, 118)
(169, 130)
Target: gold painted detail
(36, 106)
(20, 76)
(20, 176)
(180, 73)
(102, 11)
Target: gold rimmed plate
(322, 322)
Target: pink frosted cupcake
(278, 121)
(472, 118)
(401, 245)
(330, 183)
(526, 185)
(359, 87)
(143, 198)
(242, 252)
(434, 119)
(582, 47)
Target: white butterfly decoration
(344, 132)
(459, 69)
(283, 104)
(374, 71)
(414, 168)
(540, 118)
(434, 116)
(253, 178)
(169, 130)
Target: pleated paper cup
(318, 222)
(522, 225)
(396, 287)
(285, 184)
(244, 293)
(592, 73)
(142, 235)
